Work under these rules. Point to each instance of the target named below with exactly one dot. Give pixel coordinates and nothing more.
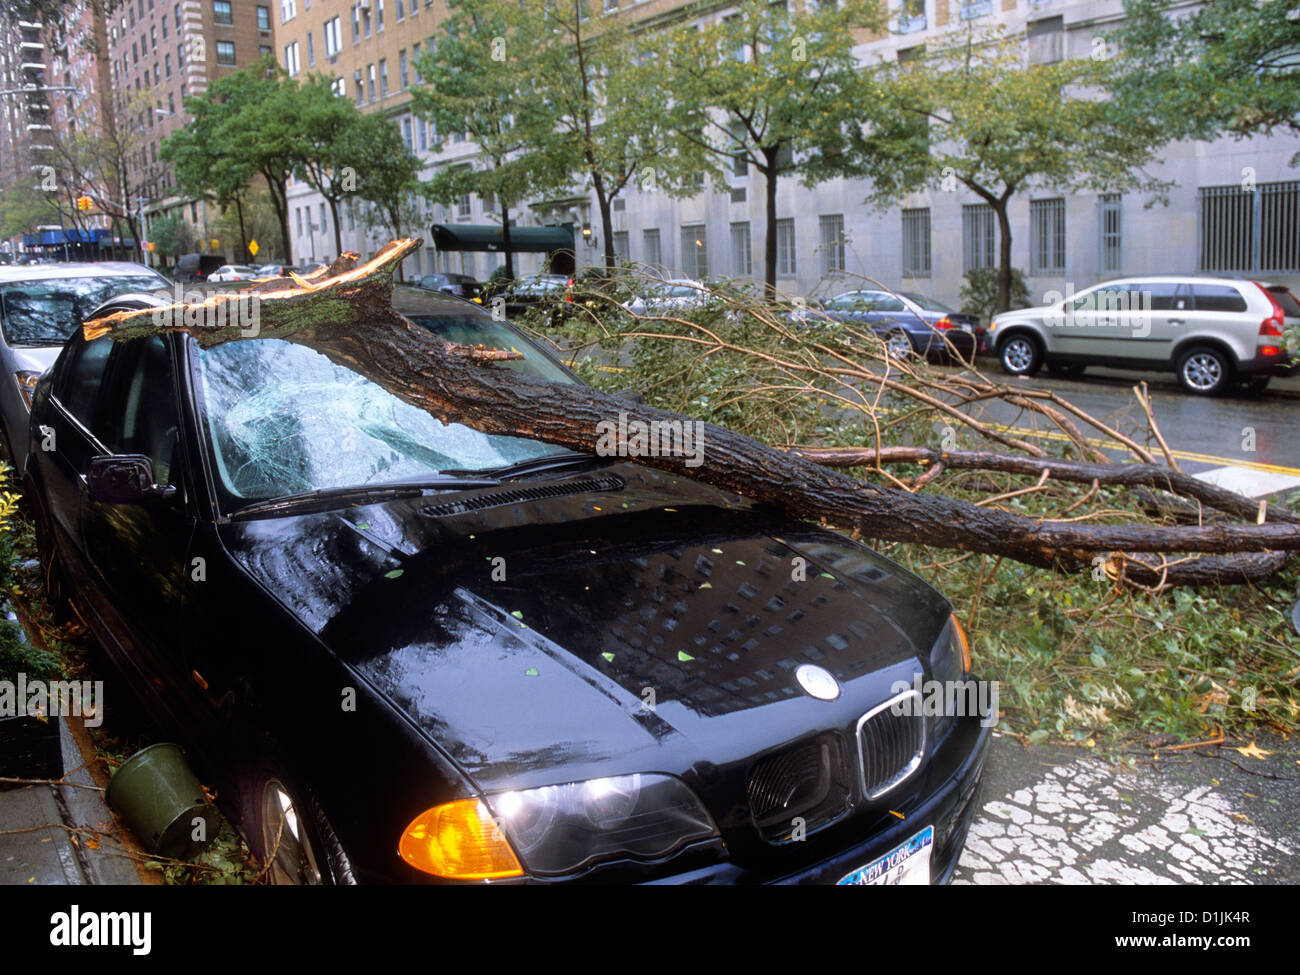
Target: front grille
(494, 499)
(890, 745)
(803, 782)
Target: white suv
(1211, 331)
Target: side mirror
(124, 479)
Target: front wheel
(289, 832)
(1205, 371)
(898, 345)
(1020, 356)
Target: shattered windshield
(282, 419)
(45, 312)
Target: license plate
(965, 327)
(908, 864)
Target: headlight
(27, 385)
(559, 829)
(950, 656)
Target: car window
(80, 379)
(283, 419)
(47, 312)
(1218, 297)
(1282, 295)
(888, 303)
(140, 405)
(926, 303)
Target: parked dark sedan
(905, 326)
(416, 652)
(460, 285)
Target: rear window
(1218, 297)
(1290, 307)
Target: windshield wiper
(537, 464)
(365, 491)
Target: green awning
(488, 237)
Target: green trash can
(161, 800)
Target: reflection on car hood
(600, 631)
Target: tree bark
(350, 319)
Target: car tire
(1020, 355)
(1204, 371)
(288, 831)
(1065, 370)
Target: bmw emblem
(818, 682)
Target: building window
(263, 18)
(785, 262)
(323, 225)
(401, 11)
(288, 10)
(911, 16)
(167, 65)
(977, 232)
(832, 248)
(225, 52)
(291, 58)
(403, 72)
(621, 247)
(407, 135)
(298, 213)
(379, 15)
(975, 8)
(1111, 234)
(333, 37)
(742, 263)
(1047, 235)
(650, 244)
(1046, 40)
(221, 12)
(695, 251)
(464, 208)
(370, 79)
(263, 50)
(1250, 230)
(356, 25)
(383, 77)
(916, 243)
(311, 50)
(339, 87)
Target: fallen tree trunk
(350, 319)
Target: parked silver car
(1211, 331)
(41, 305)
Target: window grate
(916, 243)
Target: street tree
(977, 113)
(1232, 66)
(774, 85)
(475, 80)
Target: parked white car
(1211, 331)
(675, 294)
(235, 272)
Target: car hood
(618, 625)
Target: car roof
(72, 269)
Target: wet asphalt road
(1259, 434)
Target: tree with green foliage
(475, 80)
(171, 235)
(1231, 66)
(387, 174)
(776, 86)
(977, 113)
(240, 126)
(611, 122)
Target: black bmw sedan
(405, 651)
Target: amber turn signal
(460, 841)
(965, 646)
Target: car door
(140, 552)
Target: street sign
(252, 247)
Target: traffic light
(84, 203)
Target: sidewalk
(65, 834)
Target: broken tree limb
(351, 320)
